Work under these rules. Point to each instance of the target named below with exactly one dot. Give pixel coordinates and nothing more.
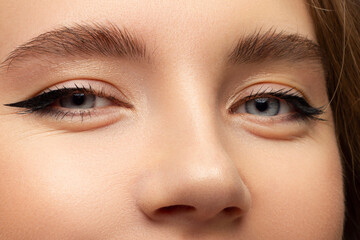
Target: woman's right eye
(73, 102)
(83, 101)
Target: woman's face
(165, 120)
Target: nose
(195, 183)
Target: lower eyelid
(278, 127)
(81, 120)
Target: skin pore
(172, 148)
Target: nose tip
(194, 196)
(198, 205)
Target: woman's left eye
(265, 106)
(282, 102)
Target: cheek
(80, 187)
(66, 190)
(296, 194)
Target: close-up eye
(265, 107)
(72, 101)
(83, 101)
(274, 103)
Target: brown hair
(337, 25)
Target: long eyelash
(43, 101)
(301, 106)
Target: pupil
(262, 104)
(78, 98)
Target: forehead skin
(23, 20)
(98, 184)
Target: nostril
(176, 211)
(232, 211)
(169, 210)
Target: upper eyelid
(96, 85)
(260, 92)
(280, 96)
(271, 91)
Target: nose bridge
(191, 112)
(195, 179)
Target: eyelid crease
(263, 93)
(281, 92)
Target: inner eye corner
(232, 108)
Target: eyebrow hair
(80, 40)
(273, 45)
(111, 41)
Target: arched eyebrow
(80, 40)
(275, 46)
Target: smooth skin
(178, 165)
